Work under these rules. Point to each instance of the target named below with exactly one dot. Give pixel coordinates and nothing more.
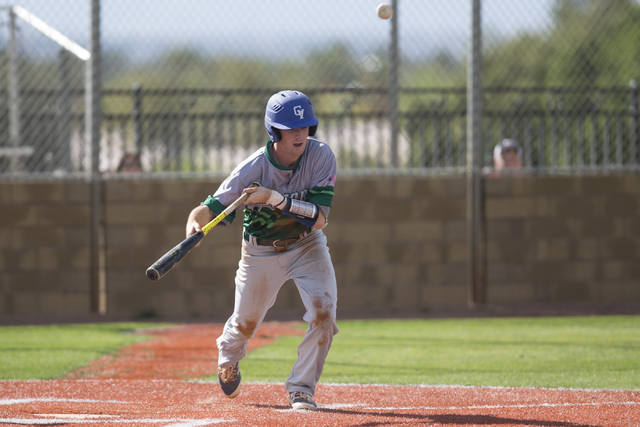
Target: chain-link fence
(185, 83)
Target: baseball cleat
(301, 400)
(229, 378)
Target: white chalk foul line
(177, 422)
(461, 408)
(52, 399)
(537, 405)
(69, 419)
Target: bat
(169, 260)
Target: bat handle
(232, 207)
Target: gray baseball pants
(261, 273)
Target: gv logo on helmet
(299, 111)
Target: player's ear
(276, 133)
(313, 130)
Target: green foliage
(577, 352)
(521, 61)
(47, 352)
(332, 67)
(441, 70)
(589, 45)
(595, 43)
(590, 42)
(571, 53)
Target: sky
(282, 28)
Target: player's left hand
(257, 194)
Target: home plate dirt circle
(90, 397)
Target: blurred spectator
(507, 155)
(130, 163)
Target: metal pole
(137, 110)
(475, 231)
(14, 92)
(633, 85)
(394, 58)
(92, 129)
(62, 154)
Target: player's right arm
(198, 218)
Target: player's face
(508, 159)
(292, 144)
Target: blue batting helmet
(289, 109)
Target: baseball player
(282, 239)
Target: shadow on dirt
(451, 419)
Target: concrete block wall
(396, 242)
(399, 242)
(44, 248)
(144, 220)
(563, 238)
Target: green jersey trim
(217, 207)
(321, 196)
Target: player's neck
(282, 158)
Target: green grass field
(572, 352)
(47, 352)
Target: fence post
(63, 142)
(393, 85)
(14, 93)
(475, 230)
(634, 121)
(137, 125)
(92, 129)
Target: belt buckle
(281, 248)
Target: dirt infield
(179, 352)
(144, 386)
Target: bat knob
(152, 274)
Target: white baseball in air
(384, 11)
